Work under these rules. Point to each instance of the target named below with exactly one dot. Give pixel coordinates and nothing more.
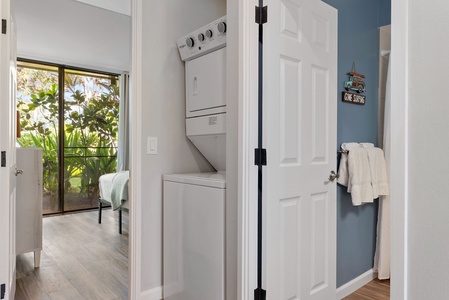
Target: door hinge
(260, 294)
(260, 156)
(4, 26)
(2, 291)
(3, 159)
(261, 15)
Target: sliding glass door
(91, 104)
(72, 115)
(38, 104)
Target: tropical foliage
(89, 133)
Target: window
(72, 114)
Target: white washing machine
(194, 204)
(194, 236)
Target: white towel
(378, 170)
(343, 178)
(367, 145)
(359, 176)
(348, 146)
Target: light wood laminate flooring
(81, 259)
(374, 290)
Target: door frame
(7, 176)
(248, 137)
(247, 124)
(399, 62)
(135, 183)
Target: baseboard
(152, 294)
(355, 284)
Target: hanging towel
(367, 145)
(378, 169)
(349, 146)
(343, 172)
(359, 177)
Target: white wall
(73, 33)
(163, 116)
(426, 156)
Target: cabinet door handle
(18, 172)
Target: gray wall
(163, 114)
(358, 22)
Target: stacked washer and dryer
(194, 204)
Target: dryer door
(206, 84)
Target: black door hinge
(4, 26)
(260, 294)
(3, 159)
(261, 15)
(2, 291)
(260, 156)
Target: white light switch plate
(151, 145)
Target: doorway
(97, 42)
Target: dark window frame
(61, 70)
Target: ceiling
(73, 33)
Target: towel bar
(343, 151)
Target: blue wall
(358, 41)
(384, 12)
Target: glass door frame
(61, 123)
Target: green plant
(90, 128)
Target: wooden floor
(81, 259)
(86, 260)
(375, 290)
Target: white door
(300, 96)
(7, 146)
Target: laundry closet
(165, 148)
(172, 134)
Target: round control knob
(209, 33)
(221, 27)
(190, 42)
(201, 37)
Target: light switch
(151, 145)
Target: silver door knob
(333, 176)
(18, 172)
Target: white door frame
(135, 184)
(247, 215)
(7, 140)
(399, 147)
(247, 208)
(247, 173)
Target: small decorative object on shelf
(355, 81)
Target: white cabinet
(29, 203)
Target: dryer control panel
(204, 40)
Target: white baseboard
(153, 294)
(355, 284)
(343, 291)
